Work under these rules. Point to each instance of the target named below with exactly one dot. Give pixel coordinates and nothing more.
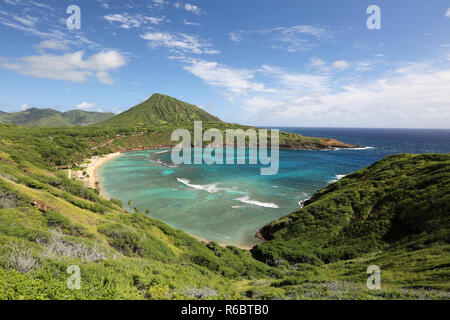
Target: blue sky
(258, 62)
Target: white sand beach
(91, 168)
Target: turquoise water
(229, 203)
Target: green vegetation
(392, 209)
(160, 115)
(393, 214)
(51, 118)
(121, 254)
(160, 109)
(86, 118)
(147, 125)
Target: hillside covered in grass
(35, 117)
(160, 109)
(398, 205)
(49, 222)
(151, 124)
(166, 114)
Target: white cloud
(341, 65)
(103, 3)
(70, 66)
(413, 97)
(302, 29)
(86, 106)
(178, 42)
(299, 82)
(127, 21)
(316, 62)
(189, 23)
(45, 24)
(236, 81)
(13, 2)
(41, 5)
(236, 37)
(291, 39)
(447, 13)
(412, 68)
(26, 20)
(363, 66)
(154, 20)
(25, 106)
(193, 8)
(52, 45)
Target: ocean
(229, 203)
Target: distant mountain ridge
(160, 112)
(166, 113)
(36, 117)
(161, 109)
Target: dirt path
(116, 138)
(106, 143)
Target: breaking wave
(166, 164)
(247, 200)
(164, 151)
(338, 177)
(211, 188)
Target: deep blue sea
(229, 203)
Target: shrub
(7, 200)
(137, 243)
(116, 202)
(20, 258)
(61, 246)
(56, 220)
(204, 293)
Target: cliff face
(402, 201)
